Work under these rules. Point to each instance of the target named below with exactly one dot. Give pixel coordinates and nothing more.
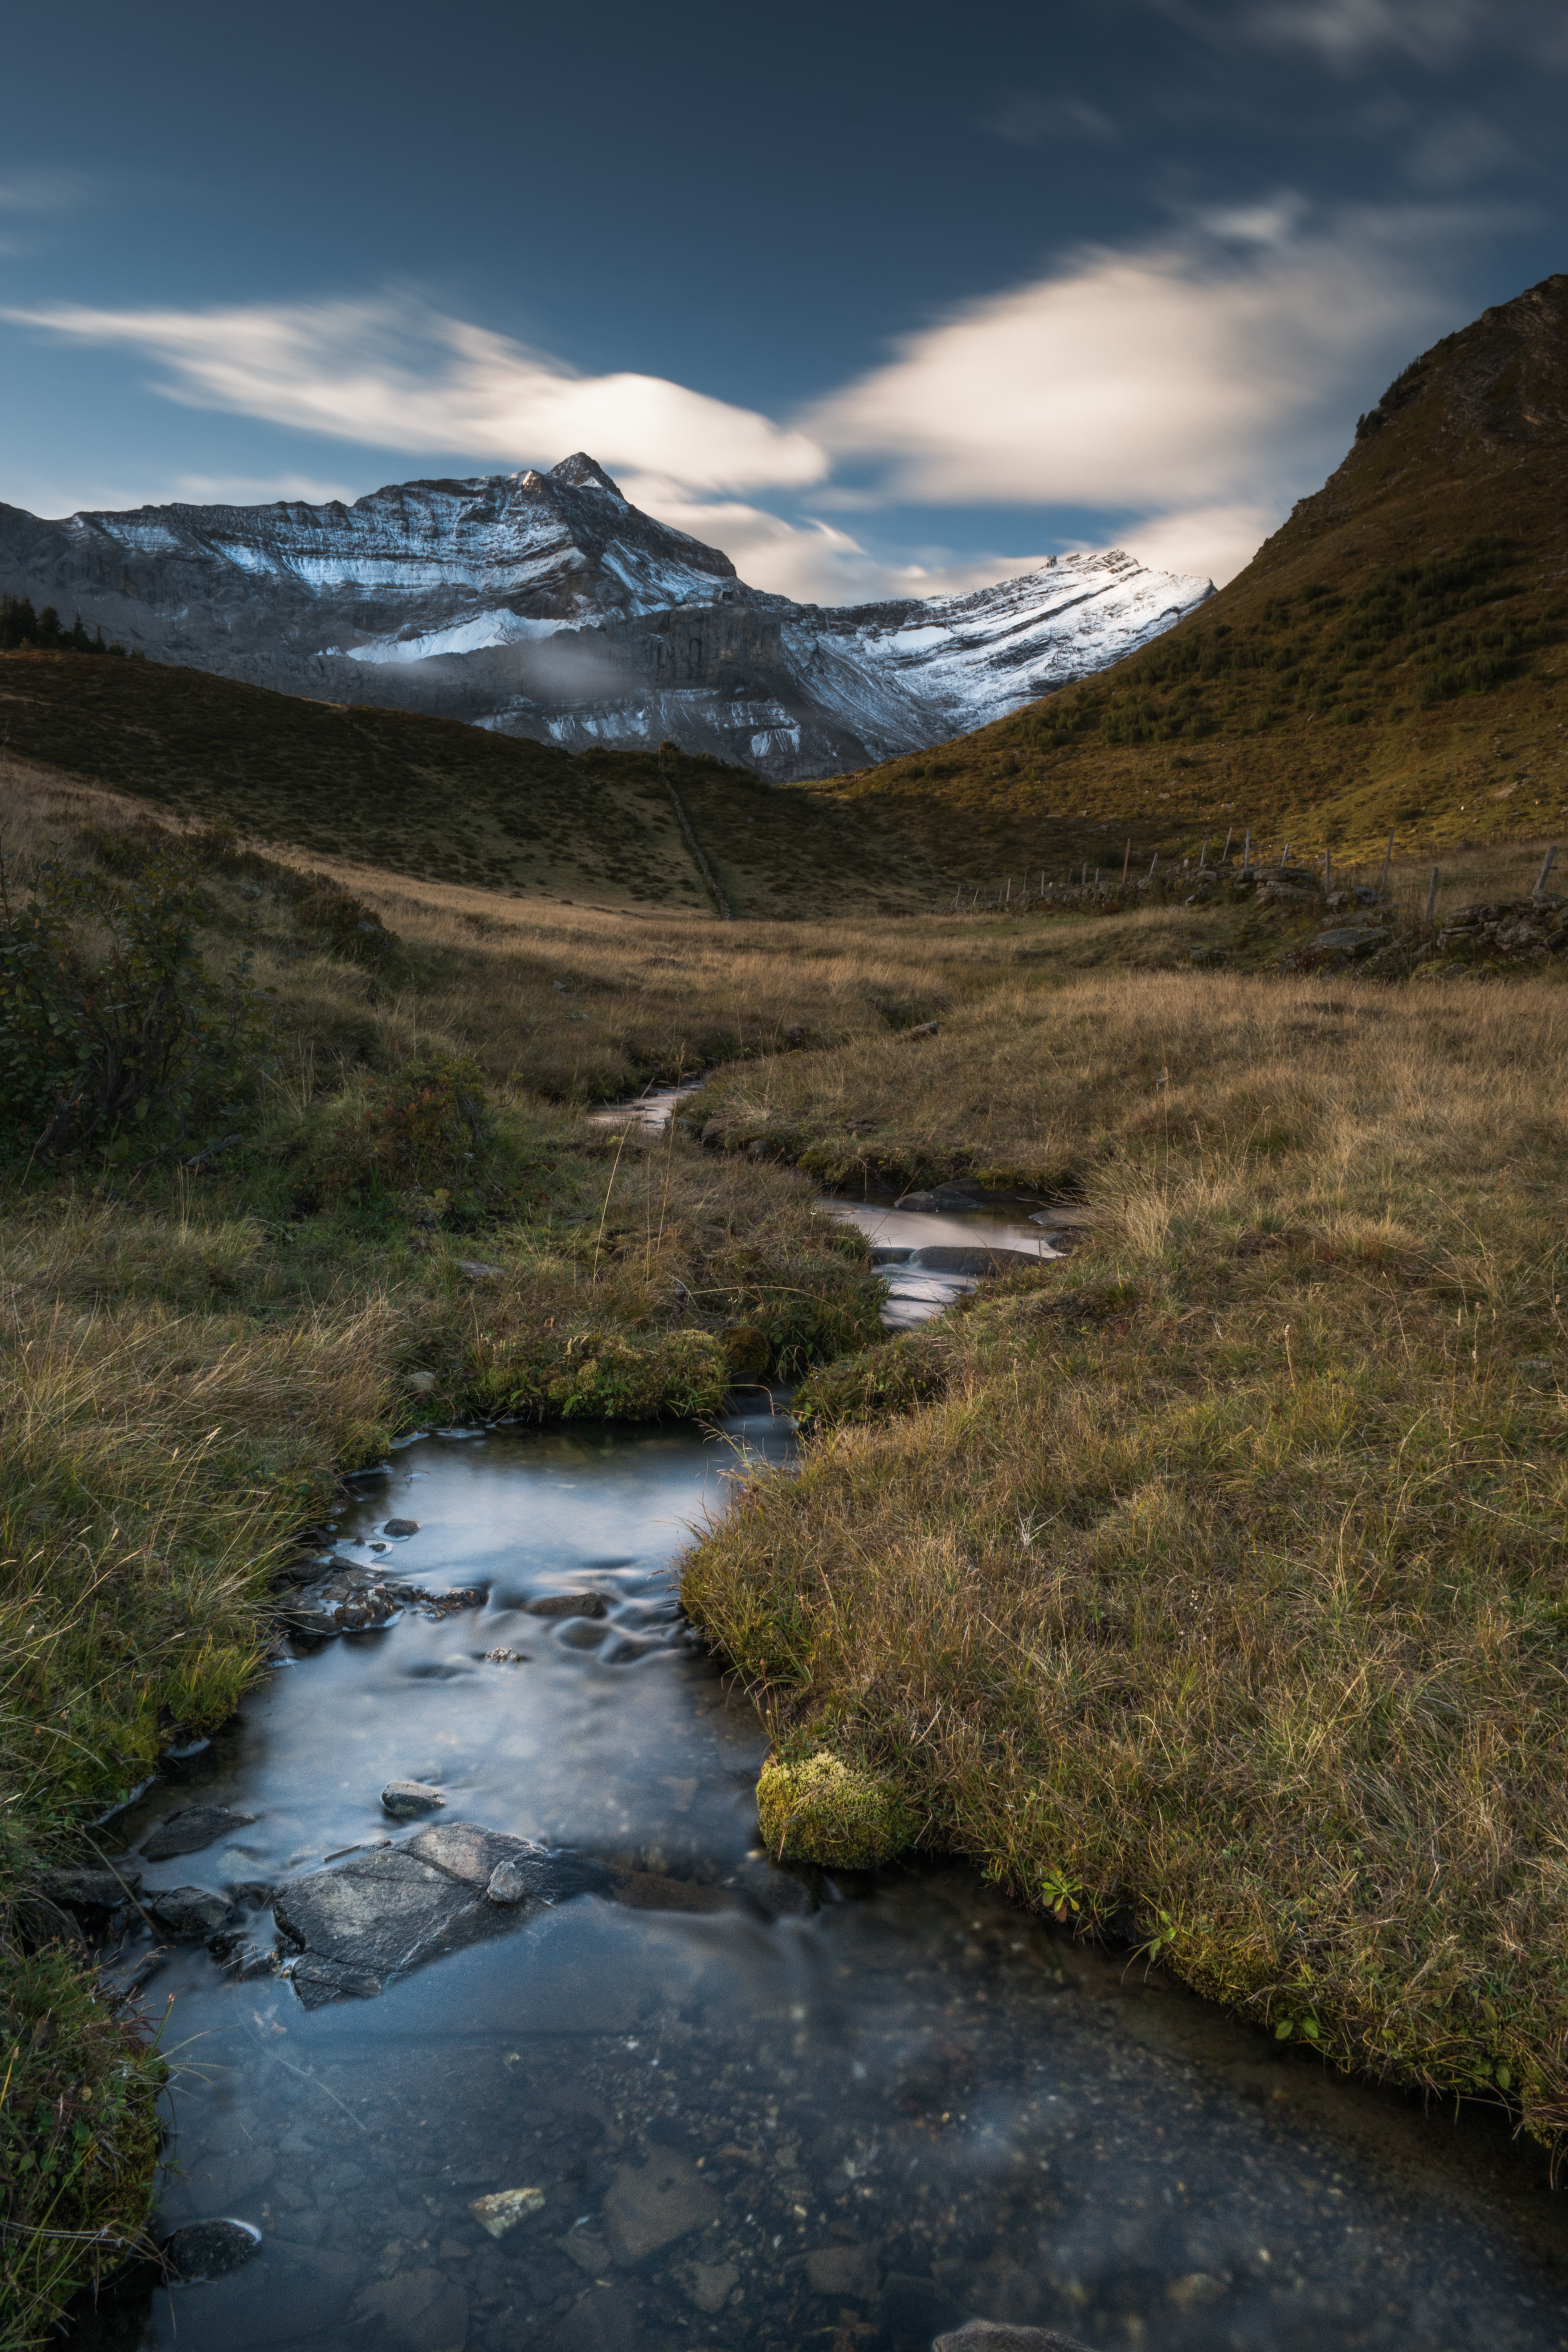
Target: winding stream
(750, 2106)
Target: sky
(880, 299)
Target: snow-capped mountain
(547, 606)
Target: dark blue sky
(870, 296)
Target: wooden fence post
(1432, 899)
(1540, 890)
(1125, 864)
(1387, 862)
(1247, 853)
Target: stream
(690, 2099)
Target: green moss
(605, 1376)
(821, 1810)
(877, 1382)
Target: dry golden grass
(1222, 1594)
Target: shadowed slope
(434, 798)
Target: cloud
(1026, 121)
(401, 376)
(1182, 380)
(1434, 33)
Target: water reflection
(751, 2107)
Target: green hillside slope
(434, 798)
(1389, 660)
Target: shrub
(425, 1129)
(341, 923)
(114, 1036)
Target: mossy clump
(605, 1376)
(821, 1810)
(876, 1383)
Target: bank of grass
(406, 1226)
(1212, 1587)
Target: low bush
(115, 1037)
(427, 1129)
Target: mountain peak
(585, 473)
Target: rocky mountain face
(545, 605)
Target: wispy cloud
(1190, 386)
(1346, 35)
(398, 375)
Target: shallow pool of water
(754, 2109)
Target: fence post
(1229, 837)
(1432, 899)
(1284, 854)
(1153, 865)
(1204, 855)
(1327, 871)
(1540, 890)
(1247, 853)
(1125, 864)
(1387, 862)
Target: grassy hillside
(431, 797)
(1388, 661)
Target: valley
(1135, 1662)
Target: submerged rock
(568, 1604)
(209, 2249)
(189, 1831)
(318, 1981)
(505, 2209)
(943, 1258)
(994, 2336)
(652, 2204)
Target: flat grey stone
(209, 2249)
(188, 1911)
(1358, 939)
(381, 1913)
(375, 1916)
(188, 1832)
(568, 1604)
(939, 1258)
(406, 1799)
(317, 1982)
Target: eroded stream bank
(750, 2107)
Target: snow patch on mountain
(547, 606)
(500, 626)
